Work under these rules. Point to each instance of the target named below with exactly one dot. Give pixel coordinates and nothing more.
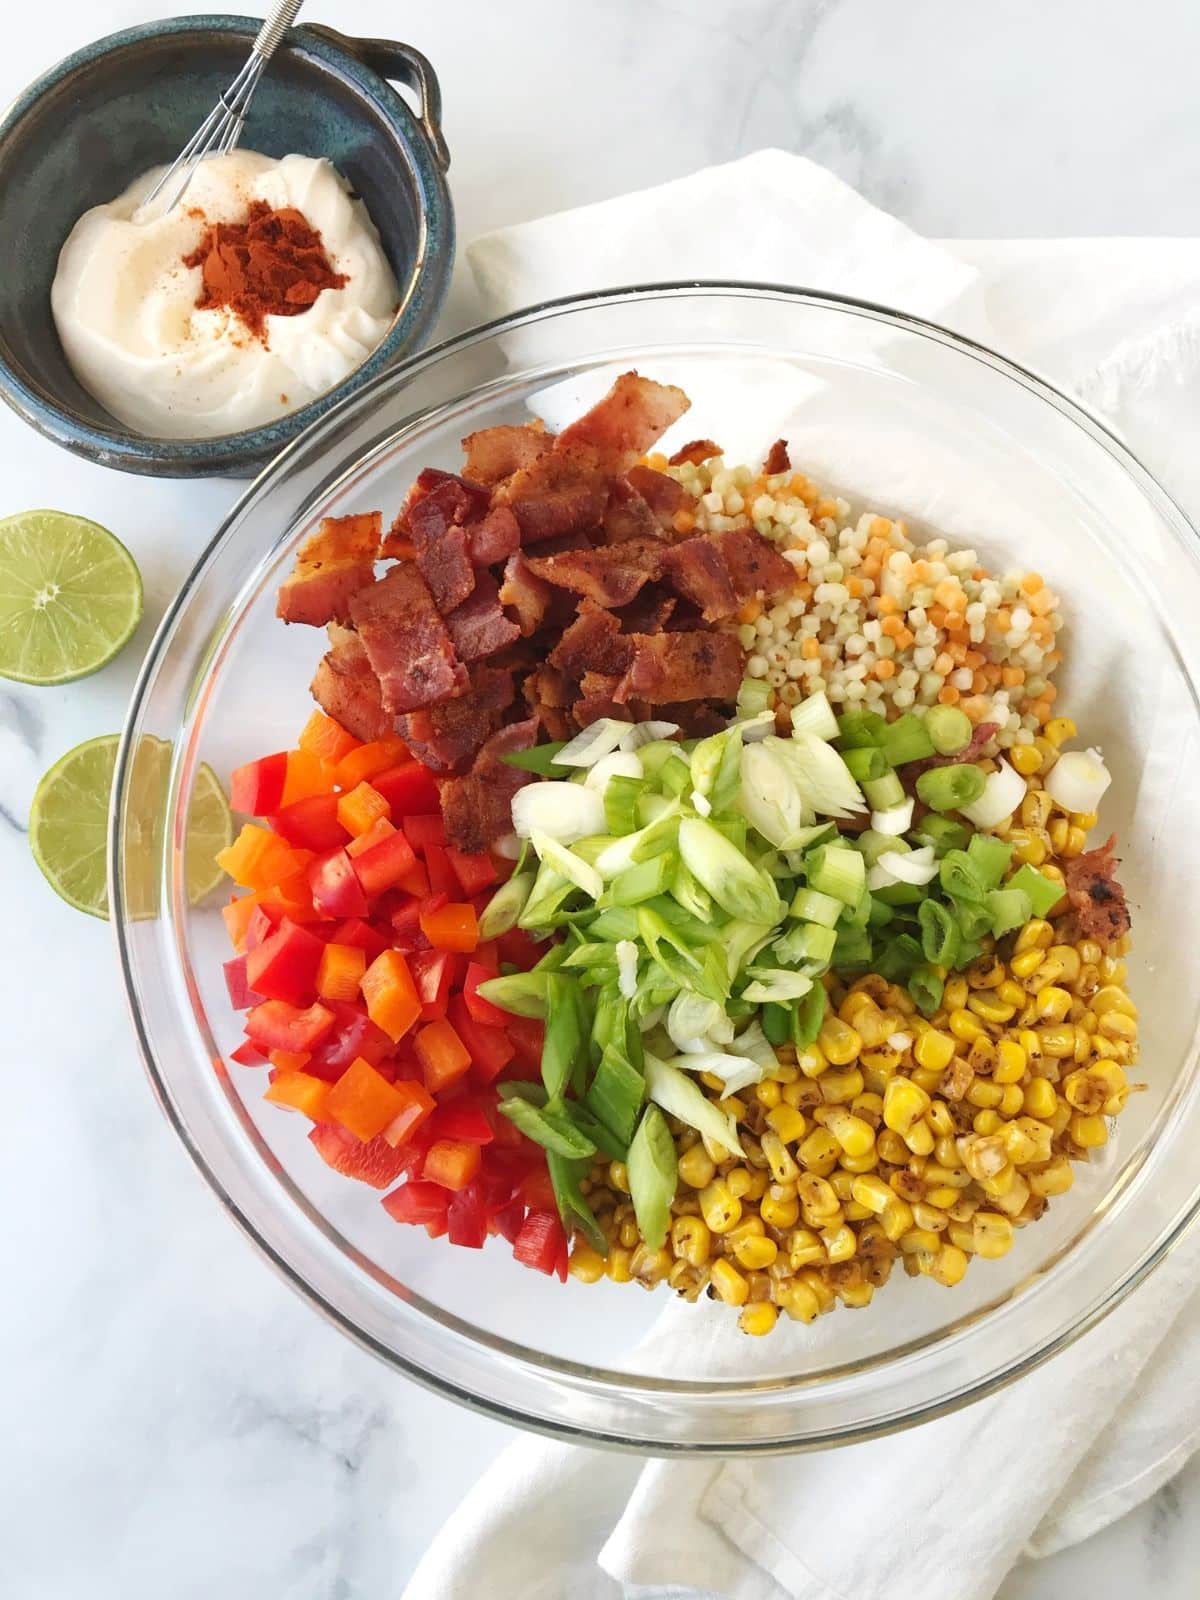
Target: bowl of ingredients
(198, 341)
(698, 967)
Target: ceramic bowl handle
(406, 65)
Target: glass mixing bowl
(893, 412)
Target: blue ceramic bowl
(80, 134)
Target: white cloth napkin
(955, 1503)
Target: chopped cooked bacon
(632, 416)
(527, 595)
(593, 643)
(496, 453)
(1096, 897)
(562, 491)
(331, 565)
(346, 687)
(446, 737)
(597, 703)
(778, 459)
(407, 642)
(445, 566)
(681, 666)
(696, 718)
(755, 565)
(477, 808)
(549, 694)
(628, 515)
(495, 538)
(455, 500)
(695, 451)
(663, 494)
(649, 612)
(479, 627)
(719, 571)
(611, 575)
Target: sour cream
(125, 305)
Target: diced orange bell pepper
(293, 897)
(258, 858)
(419, 1105)
(361, 808)
(452, 927)
(367, 760)
(307, 775)
(452, 1163)
(363, 1101)
(340, 971)
(326, 738)
(443, 1056)
(288, 1060)
(379, 830)
(393, 1003)
(237, 916)
(300, 1091)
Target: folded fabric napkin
(1068, 1448)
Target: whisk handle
(279, 20)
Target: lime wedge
(70, 597)
(68, 826)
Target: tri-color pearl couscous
(878, 621)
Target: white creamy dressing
(125, 305)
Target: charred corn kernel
(840, 1243)
(925, 1079)
(955, 994)
(754, 1252)
(691, 1240)
(1057, 1040)
(1086, 820)
(758, 1319)
(950, 1266)
(839, 1085)
(795, 1094)
(696, 1167)
(890, 1147)
(1062, 1115)
(985, 973)
(1040, 1098)
(740, 1182)
(987, 1004)
(1035, 935)
(1059, 729)
(878, 1065)
(918, 1240)
(945, 1177)
(964, 1026)
(1026, 759)
(839, 1043)
(904, 1103)
(751, 1226)
(1075, 843)
(733, 1107)
(986, 1121)
(760, 1179)
(1085, 1091)
(1053, 1003)
(868, 1106)
(650, 1266)
(987, 1096)
(940, 1118)
(783, 1168)
(930, 1217)
(1010, 1062)
(873, 1193)
(1013, 1196)
(799, 1301)
(1090, 1132)
(962, 1234)
(1035, 809)
(628, 1234)
(941, 1195)
(896, 1218)
(787, 1123)
(768, 1093)
(852, 1165)
(1011, 1100)
(1026, 962)
(780, 1214)
(811, 1061)
(817, 1195)
(992, 1233)
(856, 1295)
(720, 1207)
(804, 1248)
(945, 1151)
(855, 1136)
(1056, 1177)
(1021, 1146)
(618, 1178)
(711, 1081)
(920, 1139)
(729, 1283)
(980, 1058)
(820, 1152)
(1012, 992)
(1116, 1025)
(586, 1264)
(617, 1267)
(983, 1157)
(1067, 960)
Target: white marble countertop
(176, 1422)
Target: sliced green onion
(679, 1096)
(809, 945)
(754, 696)
(1003, 791)
(960, 876)
(1077, 781)
(651, 732)
(776, 985)
(659, 838)
(810, 905)
(822, 775)
(567, 864)
(871, 844)
(642, 881)
(521, 994)
(943, 833)
(991, 858)
(735, 884)
(907, 739)
(917, 867)
(547, 1127)
(949, 729)
(857, 729)
(880, 913)
(654, 755)
(866, 763)
(599, 738)
(734, 829)
(616, 1093)
(900, 956)
(899, 894)
(605, 1140)
(854, 948)
(951, 788)
(1044, 893)
(814, 715)
(617, 764)
(539, 758)
(837, 870)
(940, 937)
(572, 1204)
(613, 923)
(506, 905)
(885, 793)
(684, 888)
(926, 986)
(563, 811)
(565, 1041)
(893, 820)
(974, 920)
(675, 774)
(777, 1023)
(716, 768)
(1008, 908)
(770, 796)
(808, 1015)
(621, 804)
(694, 1021)
(653, 1171)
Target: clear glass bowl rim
(656, 1390)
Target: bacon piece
(407, 642)
(649, 612)
(550, 694)
(666, 667)
(719, 571)
(346, 687)
(446, 737)
(593, 643)
(495, 538)
(632, 416)
(663, 494)
(628, 515)
(695, 451)
(696, 719)
(477, 808)
(496, 453)
(455, 500)
(478, 627)
(331, 565)
(778, 459)
(754, 563)
(563, 491)
(611, 575)
(527, 595)
(1096, 897)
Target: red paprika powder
(272, 264)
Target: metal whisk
(222, 128)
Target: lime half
(68, 826)
(70, 597)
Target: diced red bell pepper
(490, 1048)
(357, 932)
(488, 955)
(335, 886)
(284, 966)
(276, 1025)
(257, 788)
(464, 1120)
(467, 1222)
(311, 824)
(452, 1163)
(408, 787)
(474, 872)
(384, 864)
(261, 926)
(442, 1054)
(536, 1189)
(451, 927)
(509, 1220)
(540, 1242)
(355, 1035)
(417, 1201)
(248, 1055)
(528, 1036)
(482, 1010)
(406, 925)
(375, 1162)
(441, 873)
(417, 1107)
(241, 995)
(433, 972)
(416, 880)
(422, 830)
(519, 949)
